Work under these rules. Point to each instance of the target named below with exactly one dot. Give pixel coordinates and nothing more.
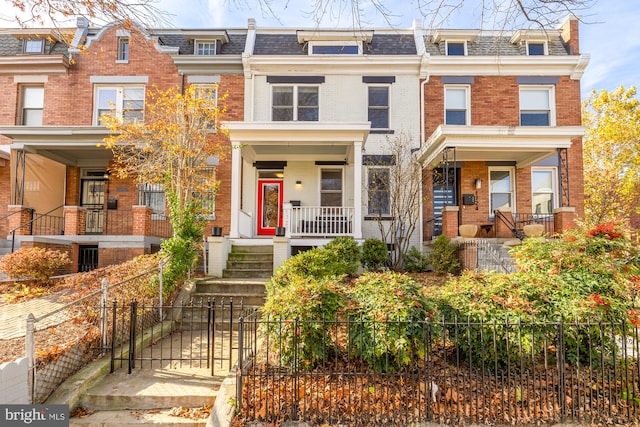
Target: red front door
(269, 206)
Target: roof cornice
(202, 64)
(34, 64)
(332, 63)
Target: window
(209, 199)
(379, 107)
(500, 189)
(33, 46)
(152, 195)
(32, 105)
(205, 48)
(456, 48)
(123, 49)
(209, 92)
(335, 49)
(536, 106)
(379, 192)
(331, 187)
(536, 48)
(543, 190)
(125, 102)
(295, 103)
(456, 105)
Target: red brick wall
(5, 195)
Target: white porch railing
(318, 221)
(245, 224)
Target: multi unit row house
(492, 117)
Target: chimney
(569, 33)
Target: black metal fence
(460, 371)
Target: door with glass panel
(92, 199)
(269, 206)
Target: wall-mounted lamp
(298, 183)
(478, 183)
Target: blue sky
(606, 34)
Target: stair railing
(496, 256)
(510, 222)
(53, 219)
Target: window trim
(119, 107)
(463, 42)
(554, 184)
(376, 215)
(313, 44)
(294, 101)
(123, 54)
(545, 47)
(343, 182)
(21, 118)
(387, 108)
(552, 102)
(198, 42)
(467, 94)
(512, 182)
(26, 42)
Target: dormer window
(536, 48)
(205, 47)
(456, 48)
(123, 49)
(33, 46)
(318, 48)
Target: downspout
(181, 83)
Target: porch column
(564, 218)
(16, 220)
(450, 221)
(236, 167)
(142, 220)
(357, 190)
(74, 220)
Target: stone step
(135, 418)
(249, 273)
(249, 265)
(250, 256)
(226, 287)
(253, 249)
(4, 243)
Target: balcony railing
(318, 221)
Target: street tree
(393, 190)
(176, 143)
(612, 154)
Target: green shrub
(415, 261)
(347, 250)
(444, 256)
(38, 264)
(295, 314)
(387, 317)
(374, 254)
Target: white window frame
(28, 46)
(123, 54)
(554, 187)
(214, 91)
(294, 100)
(320, 190)
(34, 107)
(120, 100)
(313, 44)
(388, 192)
(210, 198)
(387, 108)
(446, 46)
(210, 52)
(467, 89)
(551, 91)
(542, 42)
(512, 183)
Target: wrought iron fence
(460, 371)
(161, 226)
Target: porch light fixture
(478, 183)
(298, 183)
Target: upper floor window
(295, 103)
(537, 106)
(32, 99)
(456, 48)
(378, 113)
(536, 48)
(501, 192)
(543, 190)
(331, 187)
(326, 48)
(126, 102)
(33, 46)
(205, 48)
(456, 105)
(123, 49)
(379, 192)
(153, 196)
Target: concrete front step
(250, 265)
(243, 249)
(136, 418)
(250, 256)
(249, 273)
(225, 286)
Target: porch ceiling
(72, 146)
(520, 144)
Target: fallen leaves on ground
(198, 413)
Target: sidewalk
(13, 317)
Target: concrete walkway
(13, 317)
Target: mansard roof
(235, 46)
(287, 44)
(11, 46)
(492, 45)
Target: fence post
(296, 396)
(103, 313)
(205, 265)
(30, 349)
(160, 287)
(240, 357)
(562, 398)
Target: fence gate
(194, 335)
